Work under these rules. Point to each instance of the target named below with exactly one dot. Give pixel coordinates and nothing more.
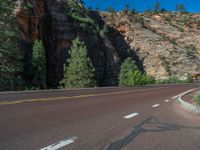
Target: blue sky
(141, 5)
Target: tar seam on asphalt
(138, 129)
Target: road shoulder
(186, 101)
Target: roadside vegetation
(78, 70)
(39, 65)
(197, 98)
(21, 70)
(130, 75)
(174, 80)
(10, 56)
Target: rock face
(160, 47)
(48, 21)
(163, 48)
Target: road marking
(166, 100)
(2, 102)
(60, 144)
(131, 115)
(183, 93)
(156, 105)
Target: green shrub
(127, 65)
(79, 18)
(138, 18)
(135, 77)
(173, 80)
(102, 31)
(131, 76)
(180, 29)
(77, 11)
(197, 98)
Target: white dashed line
(156, 105)
(166, 100)
(60, 144)
(131, 115)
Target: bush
(79, 18)
(173, 80)
(77, 11)
(135, 77)
(138, 19)
(131, 76)
(127, 65)
(197, 98)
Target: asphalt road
(142, 118)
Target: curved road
(142, 118)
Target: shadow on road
(151, 124)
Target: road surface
(142, 118)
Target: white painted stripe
(131, 115)
(182, 94)
(156, 105)
(166, 100)
(60, 144)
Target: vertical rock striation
(48, 20)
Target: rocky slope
(165, 48)
(162, 45)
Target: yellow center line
(67, 97)
(60, 98)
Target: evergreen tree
(78, 71)
(163, 10)
(156, 7)
(10, 57)
(39, 64)
(111, 10)
(180, 8)
(127, 65)
(127, 8)
(148, 10)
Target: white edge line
(131, 115)
(183, 93)
(60, 144)
(156, 105)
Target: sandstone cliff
(49, 21)
(162, 45)
(165, 47)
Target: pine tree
(148, 11)
(10, 57)
(127, 65)
(78, 71)
(127, 8)
(39, 64)
(156, 7)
